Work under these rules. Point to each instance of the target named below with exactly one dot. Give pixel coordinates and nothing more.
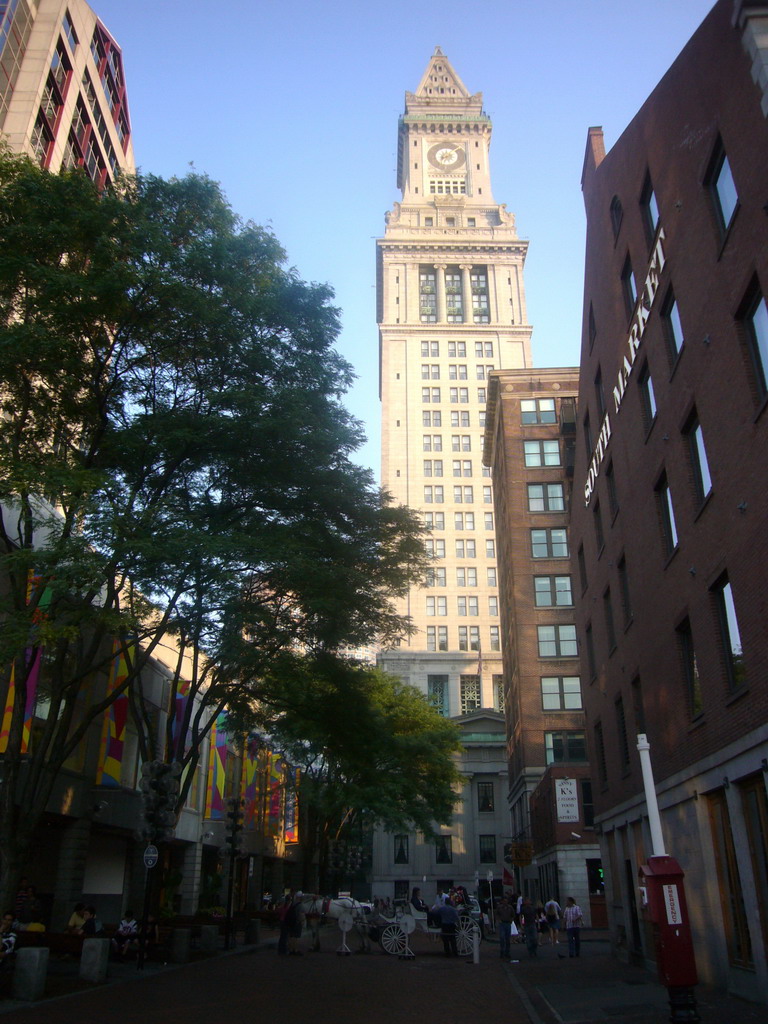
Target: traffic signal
(159, 792)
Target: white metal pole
(654, 819)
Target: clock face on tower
(446, 156)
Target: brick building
(670, 503)
(529, 445)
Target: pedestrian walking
(553, 912)
(448, 916)
(573, 923)
(505, 917)
(529, 925)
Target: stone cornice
(490, 249)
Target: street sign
(489, 876)
(150, 856)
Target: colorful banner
(33, 675)
(113, 731)
(179, 711)
(217, 769)
(291, 824)
(34, 657)
(275, 795)
(250, 781)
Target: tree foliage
(372, 750)
(174, 460)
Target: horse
(317, 908)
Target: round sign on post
(150, 856)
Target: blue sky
(293, 104)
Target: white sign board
(672, 904)
(567, 799)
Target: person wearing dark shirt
(448, 916)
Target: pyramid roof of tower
(442, 91)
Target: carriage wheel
(393, 940)
(466, 930)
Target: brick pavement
(380, 989)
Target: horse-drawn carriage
(391, 932)
(395, 931)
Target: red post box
(663, 899)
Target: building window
(427, 296)
(482, 395)
(666, 516)
(402, 886)
(729, 633)
(469, 693)
(498, 692)
(459, 419)
(491, 575)
(487, 849)
(437, 693)
(564, 746)
(722, 187)
(493, 606)
(495, 638)
(401, 849)
(628, 287)
(582, 569)
(457, 371)
(444, 850)
(457, 349)
(602, 767)
(478, 280)
(597, 519)
(650, 210)
(626, 602)
(447, 187)
(541, 453)
(546, 498)
(552, 591)
(41, 140)
(485, 799)
(672, 325)
(754, 321)
(465, 549)
(454, 303)
(561, 693)
(638, 707)
(617, 215)
(557, 641)
(587, 803)
(647, 397)
(490, 549)
(690, 666)
(549, 543)
(702, 481)
(589, 639)
(610, 630)
(436, 577)
(487, 496)
(621, 731)
(538, 410)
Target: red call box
(663, 899)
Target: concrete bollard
(30, 972)
(181, 942)
(94, 960)
(209, 938)
(253, 932)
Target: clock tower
(450, 308)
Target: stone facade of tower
(451, 308)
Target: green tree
(371, 749)
(174, 466)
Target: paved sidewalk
(379, 989)
(598, 988)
